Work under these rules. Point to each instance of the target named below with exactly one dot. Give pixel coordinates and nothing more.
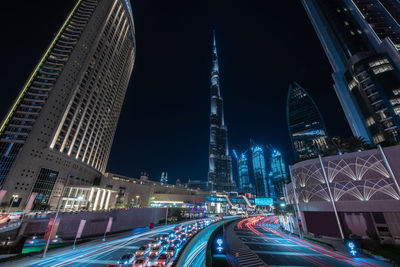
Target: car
(172, 235)
(180, 234)
(126, 259)
(142, 262)
(177, 243)
(176, 228)
(164, 244)
(155, 243)
(171, 250)
(155, 251)
(142, 251)
(164, 259)
(164, 237)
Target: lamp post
(137, 200)
(55, 220)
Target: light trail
(195, 254)
(315, 247)
(97, 250)
(307, 258)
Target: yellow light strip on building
(33, 75)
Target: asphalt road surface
(276, 248)
(195, 252)
(95, 253)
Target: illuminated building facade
(361, 39)
(164, 177)
(244, 179)
(278, 174)
(60, 129)
(306, 127)
(219, 174)
(260, 172)
(350, 194)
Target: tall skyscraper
(260, 172)
(306, 127)
(244, 178)
(61, 127)
(164, 177)
(278, 173)
(219, 174)
(361, 39)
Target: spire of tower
(219, 173)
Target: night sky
(164, 124)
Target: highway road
(276, 248)
(95, 253)
(195, 251)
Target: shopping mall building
(356, 193)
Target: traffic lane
(101, 254)
(108, 252)
(276, 248)
(280, 254)
(335, 256)
(192, 253)
(112, 256)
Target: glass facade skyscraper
(61, 127)
(278, 174)
(306, 127)
(260, 172)
(219, 174)
(361, 39)
(244, 178)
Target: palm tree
(336, 145)
(357, 143)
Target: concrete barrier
(96, 222)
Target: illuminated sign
(352, 248)
(219, 243)
(263, 201)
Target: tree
(357, 143)
(339, 145)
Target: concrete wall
(96, 222)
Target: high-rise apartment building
(306, 127)
(60, 129)
(219, 174)
(260, 172)
(361, 39)
(278, 173)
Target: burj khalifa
(219, 174)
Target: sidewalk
(240, 254)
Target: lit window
(382, 69)
(395, 101)
(378, 138)
(370, 121)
